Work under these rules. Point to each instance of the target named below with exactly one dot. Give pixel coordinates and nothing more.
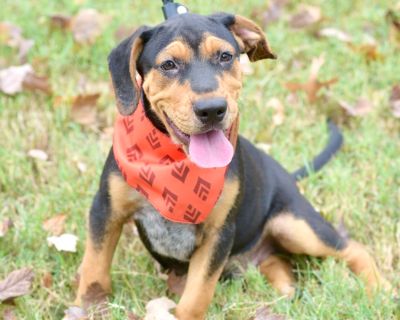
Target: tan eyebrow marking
(177, 49)
(210, 45)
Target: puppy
(199, 193)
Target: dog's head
(191, 77)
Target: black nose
(210, 110)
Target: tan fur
(296, 236)
(123, 198)
(200, 285)
(212, 45)
(279, 273)
(96, 264)
(178, 50)
(176, 100)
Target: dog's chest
(167, 238)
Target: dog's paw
(158, 309)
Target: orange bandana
(160, 170)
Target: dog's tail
(334, 144)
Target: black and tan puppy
(191, 81)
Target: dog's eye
(225, 57)
(169, 65)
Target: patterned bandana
(160, 170)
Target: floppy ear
(249, 36)
(122, 66)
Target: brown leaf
(47, 280)
(16, 284)
(313, 85)
(55, 225)
(393, 18)
(362, 107)
(132, 316)
(5, 226)
(123, 32)
(84, 109)
(75, 313)
(394, 100)
(11, 35)
(369, 51)
(88, 25)
(35, 82)
(305, 17)
(271, 14)
(264, 313)
(9, 314)
(334, 33)
(176, 283)
(60, 21)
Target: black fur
(266, 189)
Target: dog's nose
(210, 110)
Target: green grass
(362, 183)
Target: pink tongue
(211, 149)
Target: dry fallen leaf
(279, 115)
(87, 25)
(394, 100)
(15, 78)
(271, 14)
(75, 313)
(16, 284)
(393, 18)
(158, 309)
(11, 35)
(35, 82)
(61, 21)
(368, 50)
(9, 314)
(313, 85)
(305, 17)
(362, 107)
(132, 316)
(12, 78)
(124, 32)
(55, 225)
(38, 154)
(47, 280)
(264, 313)
(66, 242)
(5, 226)
(84, 109)
(334, 33)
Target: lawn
(362, 184)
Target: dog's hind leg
(114, 203)
(306, 232)
(279, 274)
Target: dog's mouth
(209, 149)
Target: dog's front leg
(205, 268)
(114, 203)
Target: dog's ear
(122, 66)
(249, 36)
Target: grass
(362, 183)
